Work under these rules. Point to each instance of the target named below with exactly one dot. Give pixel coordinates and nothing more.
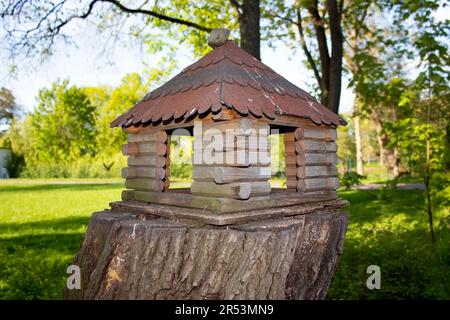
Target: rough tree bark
(378, 129)
(358, 142)
(447, 147)
(388, 156)
(249, 17)
(330, 65)
(129, 255)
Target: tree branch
(43, 23)
(156, 15)
(311, 61)
(237, 7)
(322, 44)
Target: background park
(71, 67)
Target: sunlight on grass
(42, 226)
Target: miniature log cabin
(230, 235)
(230, 102)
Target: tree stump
(127, 254)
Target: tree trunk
(337, 41)
(130, 255)
(319, 29)
(447, 147)
(330, 76)
(388, 156)
(249, 27)
(378, 129)
(359, 155)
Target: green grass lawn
(42, 223)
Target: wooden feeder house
(231, 102)
(230, 235)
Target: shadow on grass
(34, 267)
(60, 187)
(369, 206)
(33, 264)
(55, 225)
(389, 229)
(411, 267)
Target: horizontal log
(166, 184)
(289, 147)
(135, 148)
(233, 158)
(311, 171)
(291, 182)
(167, 171)
(222, 175)
(312, 159)
(147, 161)
(144, 172)
(290, 159)
(289, 137)
(291, 171)
(239, 127)
(155, 136)
(242, 190)
(130, 149)
(317, 159)
(317, 184)
(144, 184)
(127, 195)
(326, 134)
(305, 146)
(237, 143)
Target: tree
(45, 22)
(9, 109)
(314, 20)
(63, 124)
(111, 103)
(411, 110)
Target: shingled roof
(227, 77)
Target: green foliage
(85, 167)
(350, 179)
(68, 135)
(440, 184)
(15, 165)
(346, 146)
(212, 14)
(63, 125)
(110, 104)
(391, 232)
(9, 109)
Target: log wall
(148, 156)
(311, 160)
(231, 159)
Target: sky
(87, 65)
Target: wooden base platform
(287, 207)
(212, 205)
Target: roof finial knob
(218, 37)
